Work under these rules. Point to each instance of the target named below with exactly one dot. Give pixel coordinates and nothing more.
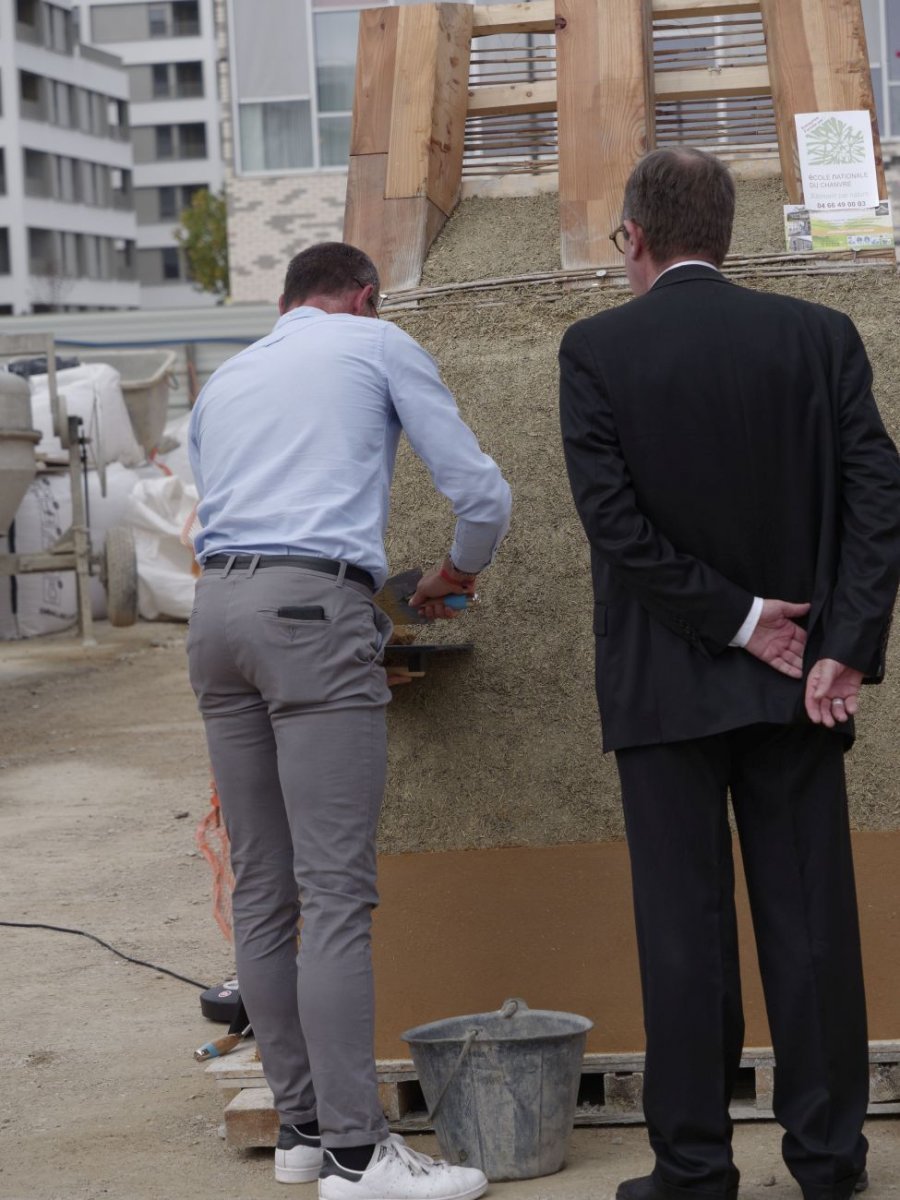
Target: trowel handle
(457, 601)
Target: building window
(165, 141)
(188, 80)
(171, 267)
(158, 20)
(192, 140)
(28, 21)
(5, 267)
(276, 136)
(2, 171)
(185, 18)
(168, 203)
(160, 80)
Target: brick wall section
(270, 217)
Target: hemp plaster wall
(502, 747)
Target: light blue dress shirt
(292, 443)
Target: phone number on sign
(841, 205)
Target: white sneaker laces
(415, 1163)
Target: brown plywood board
(459, 932)
(606, 118)
(373, 97)
(818, 62)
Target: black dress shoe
(862, 1183)
(646, 1188)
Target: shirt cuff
(745, 633)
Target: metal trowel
(394, 599)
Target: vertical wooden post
(605, 102)
(818, 62)
(409, 119)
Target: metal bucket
(501, 1087)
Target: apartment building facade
(67, 224)
(169, 52)
(286, 82)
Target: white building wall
(21, 289)
(175, 172)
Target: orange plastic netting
(212, 842)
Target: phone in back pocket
(306, 612)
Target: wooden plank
(698, 85)
(451, 98)
(415, 71)
(502, 99)
(665, 9)
(537, 17)
(364, 206)
(818, 62)
(604, 53)
(372, 101)
(410, 226)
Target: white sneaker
(396, 1172)
(298, 1158)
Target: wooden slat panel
(606, 114)
(697, 85)
(506, 98)
(536, 17)
(818, 62)
(372, 100)
(703, 8)
(414, 82)
(451, 97)
(410, 226)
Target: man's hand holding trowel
(443, 580)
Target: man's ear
(363, 302)
(637, 245)
(282, 307)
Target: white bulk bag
(158, 512)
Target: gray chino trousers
(294, 711)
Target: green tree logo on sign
(834, 143)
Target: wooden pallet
(610, 1092)
(414, 96)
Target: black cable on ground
(138, 962)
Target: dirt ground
(103, 779)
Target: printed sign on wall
(837, 160)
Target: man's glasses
(620, 238)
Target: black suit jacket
(724, 444)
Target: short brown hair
(328, 269)
(684, 202)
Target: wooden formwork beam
(706, 84)
(704, 8)
(604, 55)
(502, 99)
(538, 16)
(408, 133)
(818, 62)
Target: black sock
(309, 1129)
(352, 1158)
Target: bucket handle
(508, 1009)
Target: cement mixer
(117, 566)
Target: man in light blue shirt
(292, 444)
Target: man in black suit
(742, 503)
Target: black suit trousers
(789, 800)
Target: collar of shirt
(304, 310)
(686, 262)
